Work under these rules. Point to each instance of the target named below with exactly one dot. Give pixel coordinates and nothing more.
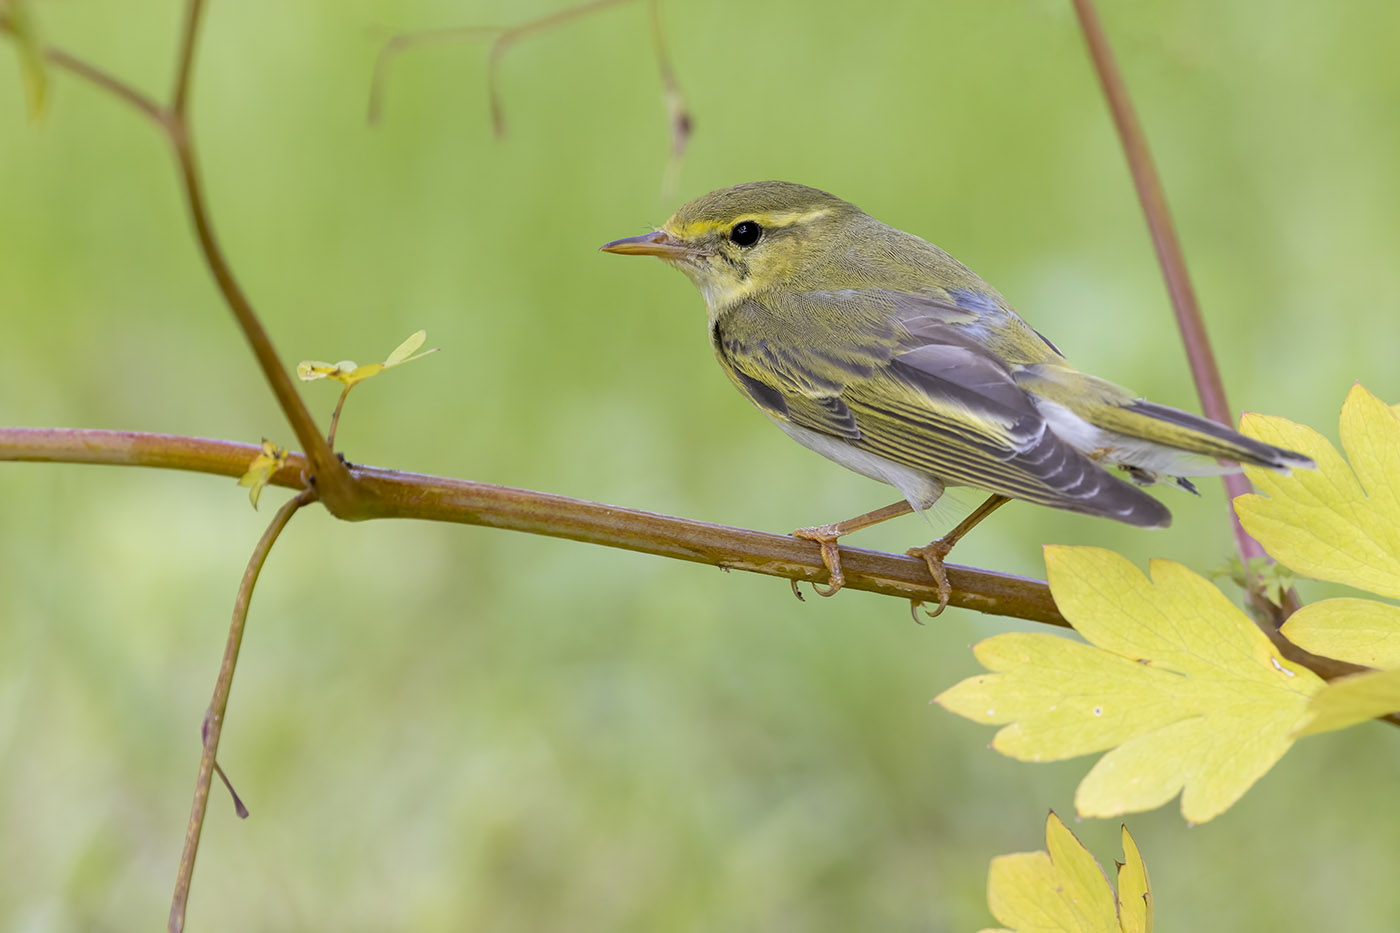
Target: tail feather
(1194, 434)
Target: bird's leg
(827, 535)
(936, 552)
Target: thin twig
(184, 68)
(1204, 370)
(504, 37)
(335, 418)
(218, 706)
(96, 76)
(676, 110)
(421, 38)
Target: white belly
(921, 489)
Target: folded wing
(933, 401)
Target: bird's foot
(933, 554)
(826, 536)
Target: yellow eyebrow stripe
(783, 219)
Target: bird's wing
(930, 397)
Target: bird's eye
(746, 233)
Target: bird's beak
(658, 243)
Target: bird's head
(736, 241)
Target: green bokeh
(457, 728)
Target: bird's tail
(1095, 414)
(1193, 434)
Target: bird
(883, 353)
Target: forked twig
(218, 705)
(503, 37)
(333, 480)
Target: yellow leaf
(1190, 696)
(271, 459)
(1338, 522)
(1361, 631)
(1063, 889)
(1134, 890)
(1350, 700)
(405, 350)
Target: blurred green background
(442, 727)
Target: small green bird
(882, 352)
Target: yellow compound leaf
(1351, 700)
(1064, 889)
(1361, 631)
(348, 373)
(271, 459)
(1339, 522)
(1182, 687)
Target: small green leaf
(405, 350)
(1274, 579)
(271, 459)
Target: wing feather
(928, 397)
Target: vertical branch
(218, 706)
(1204, 370)
(180, 96)
(676, 110)
(337, 487)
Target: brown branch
(96, 76)
(1204, 370)
(218, 706)
(395, 494)
(334, 482)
